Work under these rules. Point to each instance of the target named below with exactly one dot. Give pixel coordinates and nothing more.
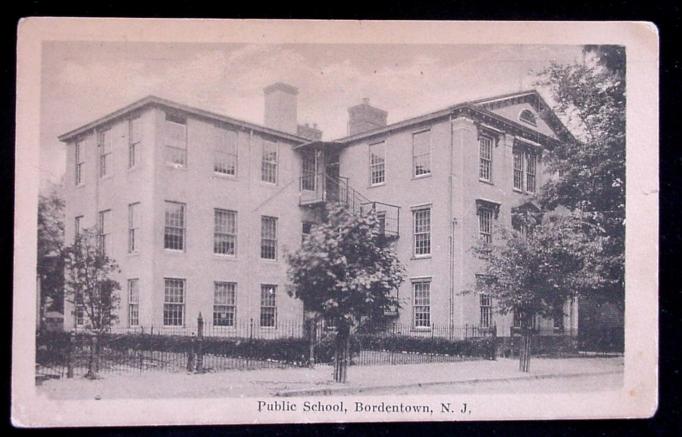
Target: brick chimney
(281, 107)
(364, 117)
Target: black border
(666, 16)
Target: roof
(158, 101)
(477, 108)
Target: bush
(474, 347)
(324, 350)
(287, 350)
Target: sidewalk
(317, 381)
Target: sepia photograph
(314, 227)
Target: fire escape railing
(320, 187)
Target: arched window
(528, 117)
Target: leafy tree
(347, 273)
(590, 169)
(50, 263)
(534, 273)
(89, 288)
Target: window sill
(229, 177)
(176, 166)
(174, 251)
(106, 177)
(377, 185)
(223, 257)
(133, 168)
(81, 185)
(269, 261)
(422, 176)
(136, 253)
(484, 181)
(416, 257)
(517, 190)
(268, 184)
(421, 329)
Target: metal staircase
(319, 188)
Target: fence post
(312, 325)
(69, 355)
(200, 340)
(190, 355)
(251, 328)
(493, 348)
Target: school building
(199, 209)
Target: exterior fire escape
(320, 188)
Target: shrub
(473, 347)
(288, 350)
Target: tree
(50, 262)
(590, 169)
(347, 273)
(90, 289)
(534, 273)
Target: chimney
(364, 117)
(280, 107)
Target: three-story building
(198, 208)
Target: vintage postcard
(289, 221)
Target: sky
(81, 81)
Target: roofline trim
(153, 100)
(444, 113)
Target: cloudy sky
(85, 80)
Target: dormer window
(527, 116)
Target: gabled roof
(158, 101)
(536, 100)
(481, 108)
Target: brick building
(198, 208)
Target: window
(485, 172)
(422, 231)
(377, 163)
(516, 319)
(133, 226)
(224, 303)
(268, 237)
(421, 290)
(105, 146)
(525, 170)
(528, 117)
(134, 138)
(381, 219)
(269, 162)
(225, 232)
(558, 319)
(79, 162)
(486, 303)
(133, 302)
(485, 224)
(103, 230)
(421, 153)
(530, 172)
(174, 231)
(226, 153)
(79, 310)
(77, 225)
(175, 140)
(307, 228)
(268, 306)
(174, 302)
(308, 170)
(518, 170)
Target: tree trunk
(341, 354)
(524, 350)
(92, 371)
